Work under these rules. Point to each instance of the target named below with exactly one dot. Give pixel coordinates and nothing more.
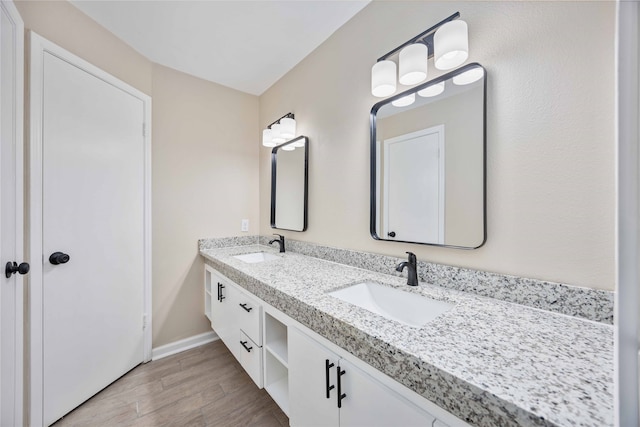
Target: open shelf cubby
(276, 338)
(276, 381)
(207, 293)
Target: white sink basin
(395, 304)
(256, 257)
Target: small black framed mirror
(289, 184)
(428, 162)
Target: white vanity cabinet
(300, 369)
(327, 390)
(236, 316)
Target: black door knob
(392, 234)
(59, 258)
(13, 268)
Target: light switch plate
(244, 225)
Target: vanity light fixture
(447, 42)
(287, 128)
(276, 134)
(451, 44)
(412, 62)
(383, 78)
(267, 138)
(279, 131)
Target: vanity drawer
(250, 357)
(248, 313)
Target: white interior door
(93, 232)
(11, 222)
(414, 186)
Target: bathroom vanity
(480, 361)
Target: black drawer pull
(341, 395)
(244, 344)
(247, 309)
(328, 365)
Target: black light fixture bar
(288, 115)
(425, 37)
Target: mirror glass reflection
(289, 177)
(428, 162)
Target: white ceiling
(245, 45)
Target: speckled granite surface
(489, 362)
(221, 242)
(587, 303)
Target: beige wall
(550, 133)
(65, 25)
(205, 174)
(204, 153)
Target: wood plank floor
(204, 386)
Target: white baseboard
(182, 345)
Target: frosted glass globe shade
(412, 64)
(289, 147)
(451, 45)
(405, 100)
(433, 90)
(276, 136)
(287, 128)
(468, 77)
(383, 79)
(266, 138)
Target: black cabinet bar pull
(328, 365)
(221, 287)
(218, 291)
(247, 309)
(244, 344)
(341, 395)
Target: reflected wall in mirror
(289, 178)
(428, 154)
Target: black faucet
(412, 265)
(280, 241)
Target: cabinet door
(308, 378)
(221, 310)
(369, 403)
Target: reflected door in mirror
(413, 181)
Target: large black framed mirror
(289, 184)
(428, 162)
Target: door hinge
(145, 321)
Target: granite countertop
(489, 362)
